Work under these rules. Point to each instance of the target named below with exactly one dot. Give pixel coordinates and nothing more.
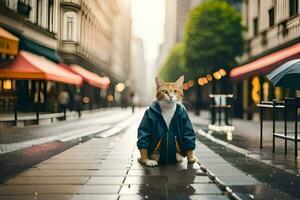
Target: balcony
(23, 8)
(71, 3)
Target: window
(284, 29)
(271, 17)
(255, 26)
(294, 7)
(39, 10)
(50, 15)
(70, 26)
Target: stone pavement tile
(57, 172)
(80, 156)
(40, 189)
(146, 189)
(105, 180)
(261, 192)
(95, 197)
(145, 179)
(71, 161)
(142, 197)
(47, 180)
(147, 172)
(39, 196)
(117, 166)
(193, 189)
(188, 179)
(68, 166)
(108, 172)
(137, 166)
(100, 189)
(239, 181)
(196, 197)
(85, 154)
(114, 157)
(117, 161)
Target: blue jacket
(153, 130)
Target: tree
(174, 65)
(213, 37)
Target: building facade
(121, 43)
(35, 21)
(86, 33)
(138, 71)
(271, 39)
(68, 32)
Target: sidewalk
(275, 169)
(107, 168)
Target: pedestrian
(63, 99)
(166, 134)
(133, 99)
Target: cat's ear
(158, 82)
(180, 81)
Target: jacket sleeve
(188, 136)
(144, 132)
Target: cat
(155, 131)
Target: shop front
(251, 85)
(90, 93)
(32, 82)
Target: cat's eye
(165, 91)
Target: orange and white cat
(169, 97)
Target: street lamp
(217, 75)
(120, 87)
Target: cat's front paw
(192, 159)
(179, 157)
(151, 163)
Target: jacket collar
(156, 108)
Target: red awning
(105, 82)
(28, 66)
(267, 63)
(89, 77)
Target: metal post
(273, 132)
(296, 127)
(261, 126)
(38, 104)
(285, 126)
(65, 113)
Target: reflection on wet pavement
(107, 168)
(265, 177)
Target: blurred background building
(86, 38)
(271, 38)
(138, 71)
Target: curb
(239, 150)
(221, 185)
(102, 131)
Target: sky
(148, 19)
